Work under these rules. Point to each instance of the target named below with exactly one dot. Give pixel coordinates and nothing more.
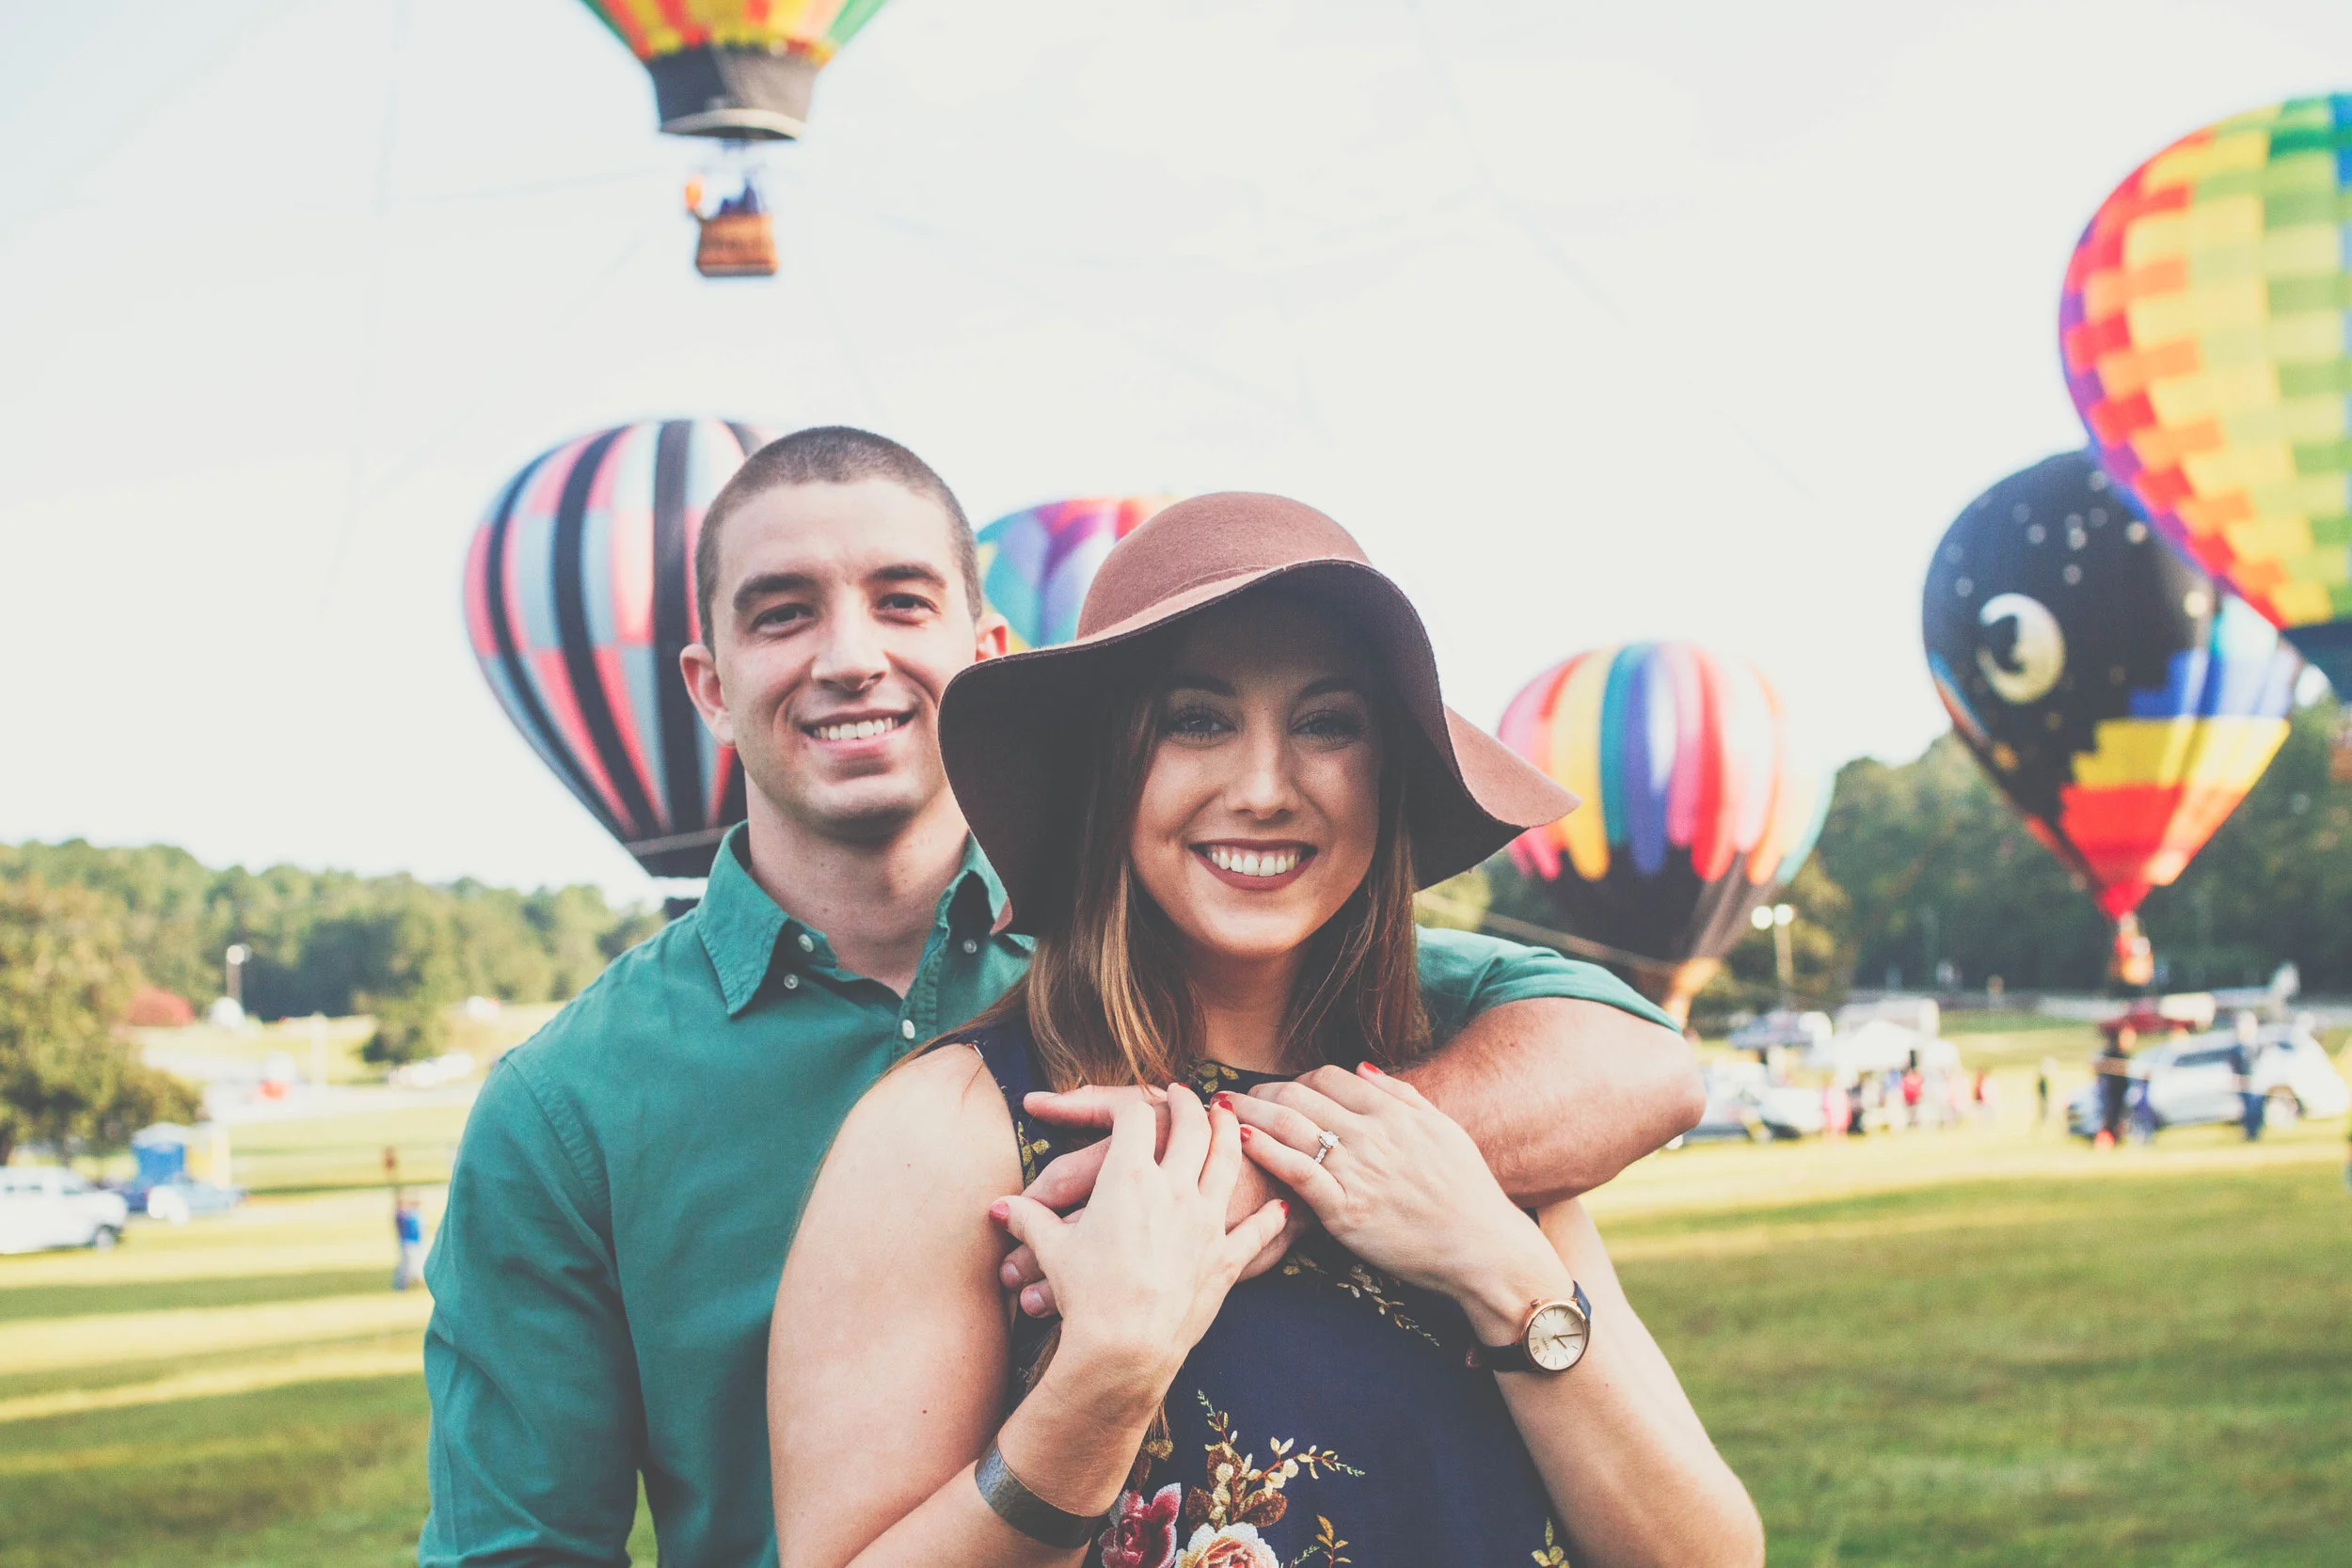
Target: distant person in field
(2114, 1067)
(409, 1234)
(2041, 1092)
(631, 1177)
(2244, 1055)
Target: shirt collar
(746, 933)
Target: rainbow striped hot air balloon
(2120, 698)
(2206, 329)
(1038, 563)
(739, 70)
(580, 596)
(1694, 815)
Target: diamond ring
(1326, 1141)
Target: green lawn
(1989, 1345)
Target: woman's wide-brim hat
(1016, 732)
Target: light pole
(233, 963)
(1776, 918)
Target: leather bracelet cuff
(1013, 1501)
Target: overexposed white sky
(1594, 323)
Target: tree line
(84, 928)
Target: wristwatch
(1554, 1339)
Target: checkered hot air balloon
(580, 594)
(2206, 329)
(1038, 563)
(1694, 811)
(2121, 699)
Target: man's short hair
(830, 454)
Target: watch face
(1556, 1337)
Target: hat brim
(1015, 732)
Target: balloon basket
(737, 245)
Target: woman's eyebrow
(1192, 680)
(1329, 684)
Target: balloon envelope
(741, 70)
(1035, 564)
(580, 596)
(2117, 695)
(2206, 327)
(1694, 814)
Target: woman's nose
(1264, 785)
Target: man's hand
(1069, 1181)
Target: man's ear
(700, 666)
(995, 636)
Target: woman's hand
(1405, 1188)
(1140, 1273)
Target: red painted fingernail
(1367, 1067)
(1225, 1100)
(1245, 1134)
(1000, 1209)
(1285, 1206)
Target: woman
(1211, 811)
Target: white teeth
(863, 729)
(1253, 863)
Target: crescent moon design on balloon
(2038, 657)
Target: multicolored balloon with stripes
(1696, 810)
(2206, 331)
(1036, 563)
(580, 596)
(2117, 695)
(739, 70)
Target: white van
(48, 1206)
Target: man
(630, 1180)
(2114, 1068)
(2244, 1055)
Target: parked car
(1743, 1103)
(183, 1198)
(2189, 1081)
(48, 1206)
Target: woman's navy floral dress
(1327, 1417)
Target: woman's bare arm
(1629, 1466)
(887, 1363)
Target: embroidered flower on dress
(1230, 1546)
(1142, 1533)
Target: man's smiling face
(839, 619)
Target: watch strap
(1009, 1498)
(1513, 1358)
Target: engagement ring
(1326, 1141)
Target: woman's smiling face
(1261, 804)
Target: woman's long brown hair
(1107, 996)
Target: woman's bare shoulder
(936, 1118)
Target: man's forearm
(1561, 1095)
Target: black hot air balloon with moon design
(2121, 699)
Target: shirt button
(905, 1028)
(808, 944)
(971, 947)
(792, 982)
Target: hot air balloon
(741, 72)
(2206, 329)
(2117, 695)
(1694, 813)
(1036, 563)
(580, 596)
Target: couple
(1342, 1309)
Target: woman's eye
(1333, 724)
(1197, 723)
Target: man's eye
(776, 615)
(906, 604)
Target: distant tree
(64, 978)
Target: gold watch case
(1557, 1334)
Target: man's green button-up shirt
(630, 1181)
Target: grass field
(1983, 1346)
